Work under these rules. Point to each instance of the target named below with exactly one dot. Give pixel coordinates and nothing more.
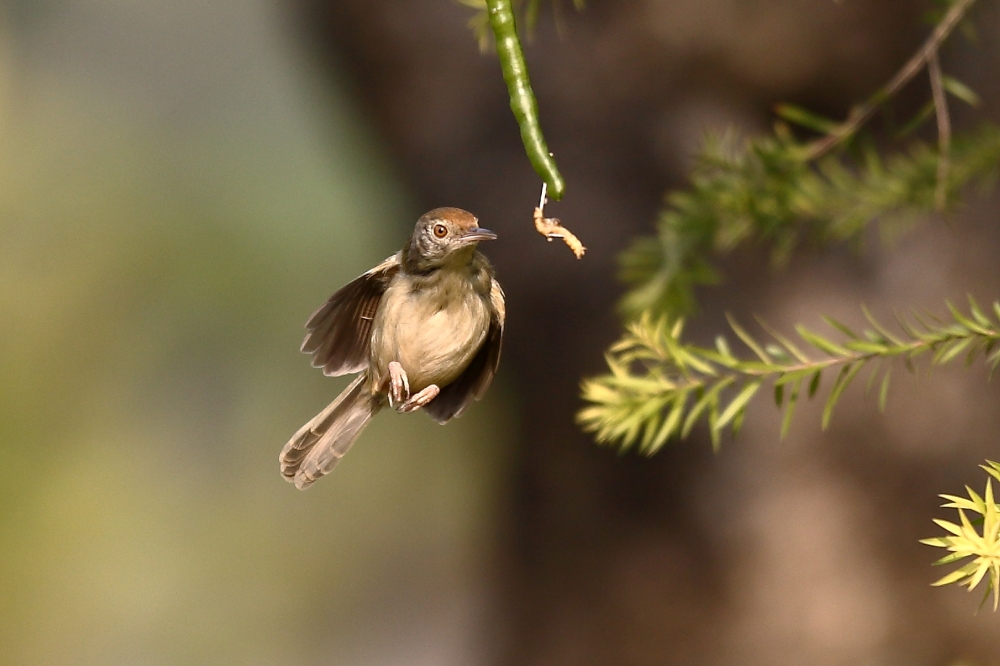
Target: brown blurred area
(802, 551)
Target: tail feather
(320, 444)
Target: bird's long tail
(320, 444)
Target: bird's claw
(419, 399)
(399, 385)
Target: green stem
(522, 99)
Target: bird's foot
(399, 386)
(419, 399)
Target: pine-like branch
(781, 190)
(660, 387)
(964, 541)
(762, 190)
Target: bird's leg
(419, 399)
(399, 386)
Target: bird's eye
(440, 230)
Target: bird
(423, 330)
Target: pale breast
(432, 332)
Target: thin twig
(944, 131)
(860, 115)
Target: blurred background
(184, 182)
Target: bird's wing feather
(340, 330)
(476, 378)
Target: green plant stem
(522, 98)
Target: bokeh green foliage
(964, 540)
(660, 387)
(765, 190)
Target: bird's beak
(476, 235)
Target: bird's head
(444, 236)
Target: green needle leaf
(821, 343)
(960, 90)
(793, 399)
(807, 119)
(883, 394)
(843, 379)
(738, 403)
(747, 340)
(814, 383)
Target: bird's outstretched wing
(476, 378)
(340, 330)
